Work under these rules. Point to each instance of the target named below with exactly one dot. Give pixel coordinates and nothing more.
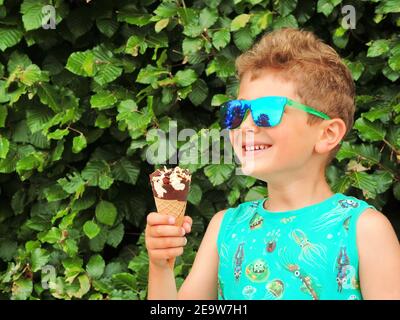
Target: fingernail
(185, 241)
(171, 220)
(183, 231)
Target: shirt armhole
(353, 229)
(224, 221)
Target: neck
(298, 191)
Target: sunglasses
(265, 111)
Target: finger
(188, 219)
(167, 242)
(166, 231)
(160, 254)
(155, 218)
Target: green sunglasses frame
(307, 109)
(291, 103)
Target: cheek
(295, 141)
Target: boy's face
(290, 143)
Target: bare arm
(201, 283)
(379, 256)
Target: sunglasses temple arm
(300, 106)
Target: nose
(248, 123)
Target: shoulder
(372, 221)
(217, 218)
(374, 229)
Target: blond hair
(321, 79)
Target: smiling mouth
(255, 149)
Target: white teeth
(258, 147)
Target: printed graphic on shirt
(288, 220)
(310, 253)
(239, 256)
(334, 215)
(256, 221)
(307, 284)
(271, 240)
(257, 271)
(248, 292)
(346, 275)
(275, 289)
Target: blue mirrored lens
(267, 111)
(232, 114)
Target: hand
(163, 239)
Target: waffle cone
(173, 208)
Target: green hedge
(77, 101)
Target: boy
(303, 242)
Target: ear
(330, 134)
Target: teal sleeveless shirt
(308, 253)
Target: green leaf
(137, 19)
(326, 6)
(222, 66)
(81, 63)
(199, 92)
(394, 62)
(9, 37)
(286, 7)
(219, 99)
(243, 39)
(107, 26)
(365, 151)
(58, 134)
(95, 266)
(387, 6)
(103, 100)
(370, 131)
(256, 193)
(221, 39)
(32, 74)
(79, 143)
(285, 22)
(51, 236)
(126, 171)
(161, 24)
(125, 280)
(218, 173)
(106, 212)
(356, 68)
(8, 248)
(40, 257)
(55, 193)
(97, 173)
(378, 48)
(4, 147)
(84, 286)
(115, 235)
(32, 14)
(240, 21)
(91, 229)
(22, 289)
(364, 182)
(208, 17)
(186, 77)
(73, 183)
(195, 194)
(342, 184)
(190, 45)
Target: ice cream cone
(174, 208)
(170, 190)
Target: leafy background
(76, 104)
